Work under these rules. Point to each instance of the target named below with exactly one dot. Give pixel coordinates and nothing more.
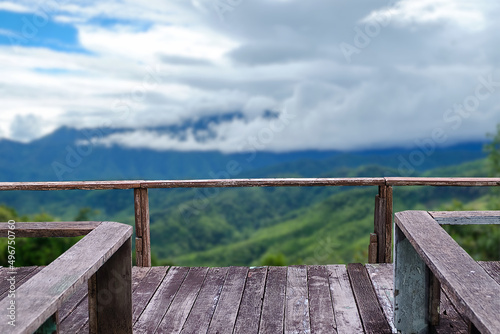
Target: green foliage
(493, 150)
(32, 251)
(274, 260)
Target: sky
(316, 74)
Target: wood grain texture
(227, 308)
(162, 291)
(77, 318)
(112, 297)
(492, 268)
(174, 319)
(44, 293)
(443, 181)
(142, 221)
(70, 185)
(466, 217)
(204, 307)
(381, 276)
(271, 320)
(344, 305)
(320, 301)
(297, 319)
(49, 229)
(371, 313)
(248, 317)
(146, 290)
(465, 282)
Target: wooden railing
(380, 239)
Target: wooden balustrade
(380, 241)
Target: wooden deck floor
(298, 299)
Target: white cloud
(163, 62)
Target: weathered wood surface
(279, 182)
(143, 239)
(178, 312)
(466, 217)
(382, 278)
(44, 293)
(297, 318)
(320, 301)
(369, 308)
(247, 320)
(70, 185)
(227, 308)
(443, 181)
(153, 296)
(206, 302)
(271, 320)
(154, 289)
(465, 282)
(110, 294)
(344, 304)
(49, 229)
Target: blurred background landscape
(204, 89)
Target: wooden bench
(428, 259)
(102, 259)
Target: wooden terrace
(432, 287)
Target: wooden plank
(112, 298)
(44, 293)
(143, 243)
(344, 305)
(49, 229)
(157, 305)
(77, 319)
(466, 217)
(372, 317)
(297, 318)
(373, 249)
(79, 299)
(147, 289)
(226, 311)
(183, 301)
(278, 182)
(382, 278)
(492, 268)
(411, 287)
(465, 282)
(273, 307)
(449, 319)
(20, 275)
(70, 305)
(443, 181)
(206, 302)
(379, 223)
(320, 301)
(388, 224)
(248, 318)
(70, 185)
(102, 185)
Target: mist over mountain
(79, 154)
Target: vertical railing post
(382, 226)
(142, 240)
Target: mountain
(71, 154)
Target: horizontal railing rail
(380, 241)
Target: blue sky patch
(37, 30)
